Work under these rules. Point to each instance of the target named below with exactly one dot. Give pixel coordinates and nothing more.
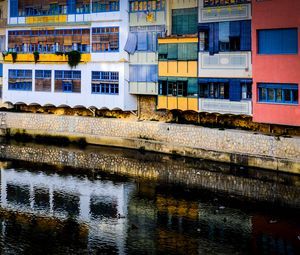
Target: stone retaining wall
(247, 183)
(242, 147)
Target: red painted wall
(270, 14)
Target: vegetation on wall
(74, 58)
(36, 56)
(14, 55)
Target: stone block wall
(242, 147)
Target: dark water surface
(54, 210)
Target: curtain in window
(143, 73)
(131, 43)
(192, 88)
(246, 35)
(235, 29)
(234, 90)
(71, 6)
(172, 51)
(142, 41)
(213, 38)
(14, 6)
(224, 31)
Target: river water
(63, 209)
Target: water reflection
(56, 212)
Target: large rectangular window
(146, 37)
(225, 36)
(278, 93)
(185, 21)
(49, 41)
(146, 5)
(105, 83)
(181, 87)
(68, 81)
(217, 90)
(20, 80)
(143, 73)
(105, 39)
(178, 51)
(43, 80)
(278, 41)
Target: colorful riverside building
(3, 21)
(225, 69)
(98, 29)
(178, 58)
(276, 62)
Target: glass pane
(287, 95)
(295, 95)
(271, 95)
(279, 95)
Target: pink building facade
(276, 61)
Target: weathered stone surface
(249, 183)
(242, 147)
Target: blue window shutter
(71, 6)
(211, 39)
(278, 41)
(153, 73)
(1, 69)
(132, 73)
(216, 38)
(142, 41)
(234, 90)
(290, 40)
(14, 7)
(246, 35)
(235, 28)
(131, 43)
(224, 31)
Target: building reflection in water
(99, 207)
(42, 211)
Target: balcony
(225, 13)
(233, 64)
(224, 106)
(179, 103)
(45, 58)
(143, 88)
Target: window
(67, 87)
(49, 41)
(20, 80)
(143, 73)
(43, 74)
(146, 5)
(211, 3)
(43, 80)
(278, 93)
(68, 81)
(105, 5)
(217, 90)
(147, 37)
(178, 51)
(185, 21)
(105, 39)
(181, 87)
(105, 83)
(278, 41)
(225, 36)
(246, 90)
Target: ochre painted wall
(275, 68)
(178, 68)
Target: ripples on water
(56, 212)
